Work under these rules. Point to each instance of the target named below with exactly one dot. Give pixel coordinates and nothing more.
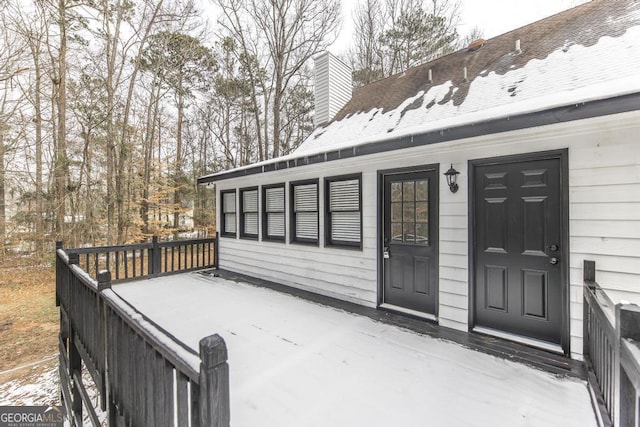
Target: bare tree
(126, 28)
(366, 53)
(33, 32)
(284, 35)
(96, 147)
(12, 54)
(60, 80)
(249, 54)
(184, 65)
(394, 35)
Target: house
(467, 190)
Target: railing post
(627, 327)
(588, 275)
(589, 271)
(74, 259)
(628, 317)
(216, 250)
(104, 283)
(75, 361)
(75, 366)
(155, 264)
(59, 273)
(214, 382)
(104, 280)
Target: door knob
(553, 260)
(385, 253)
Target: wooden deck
(296, 358)
(547, 361)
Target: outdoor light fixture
(452, 177)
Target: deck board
(301, 360)
(554, 363)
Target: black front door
(410, 241)
(517, 230)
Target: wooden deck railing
(629, 326)
(611, 336)
(154, 258)
(143, 375)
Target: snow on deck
(296, 363)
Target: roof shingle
(588, 53)
(590, 46)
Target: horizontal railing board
(601, 411)
(88, 363)
(175, 243)
(86, 399)
(605, 311)
(149, 259)
(137, 246)
(65, 382)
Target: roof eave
(577, 111)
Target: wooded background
(111, 109)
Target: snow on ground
(39, 386)
(296, 363)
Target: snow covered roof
(585, 54)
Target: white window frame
(249, 210)
(343, 211)
(269, 210)
(310, 212)
(228, 212)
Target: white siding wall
(604, 179)
(345, 273)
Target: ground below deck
(298, 363)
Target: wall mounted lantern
(452, 178)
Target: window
(343, 222)
(304, 211)
(249, 213)
(410, 211)
(273, 220)
(228, 216)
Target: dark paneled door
(411, 241)
(518, 279)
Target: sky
(493, 17)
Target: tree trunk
(3, 223)
(38, 120)
(113, 185)
(61, 166)
(277, 104)
(120, 186)
(87, 162)
(152, 115)
(178, 166)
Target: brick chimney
(332, 87)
